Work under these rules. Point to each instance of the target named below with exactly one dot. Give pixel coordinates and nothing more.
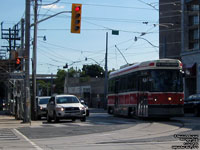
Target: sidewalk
(8, 121)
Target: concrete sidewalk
(9, 121)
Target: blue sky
(98, 17)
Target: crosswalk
(7, 134)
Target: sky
(133, 18)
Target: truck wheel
(56, 119)
(73, 119)
(48, 118)
(83, 119)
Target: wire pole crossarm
(62, 12)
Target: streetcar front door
(142, 102)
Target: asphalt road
(102, 131)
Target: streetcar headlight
(169, 98)
(155, 99)
(181, 99)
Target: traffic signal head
(18, 64)
(76, 18)
(18, 61)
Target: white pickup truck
(65, 107)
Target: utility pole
(27, 56)
(33, 102)
(106, 73)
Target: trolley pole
(106, 74)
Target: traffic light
(18, 64)
(76, 18)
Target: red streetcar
(147, 89)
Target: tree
(93, 70)
(44, 87)
(59, 82)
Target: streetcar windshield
(166, 81)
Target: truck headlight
(60, 109)
(82, 108)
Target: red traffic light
(18, 61)
(77, 8)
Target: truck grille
(72, 109)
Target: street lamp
(136, 38)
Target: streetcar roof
(152, 64)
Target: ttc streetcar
(147, 89)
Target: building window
(194, 39)
(193, 7)
(193, 35)
(194, 20)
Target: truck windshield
(166, 81)
(62, 100)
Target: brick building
(180, 38)
(90, 89)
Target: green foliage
(45, 87)
(88, 71)
(93, 70)
(59, 82)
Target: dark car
(192, 104)
(42, 106)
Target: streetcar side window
(132, 82)
(123, 83)
(111, 86)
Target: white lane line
(32, 143)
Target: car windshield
(43, 100)
(66, 99)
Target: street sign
(115, 32)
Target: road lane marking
(27, 139)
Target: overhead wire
(107, 28)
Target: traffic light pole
(34, 61)
(33, 102)
(26, 117)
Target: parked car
(65, 107)
(192, 104)
(42, 106)
(86, 107)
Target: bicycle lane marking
(27, 139)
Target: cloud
(54, 6)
